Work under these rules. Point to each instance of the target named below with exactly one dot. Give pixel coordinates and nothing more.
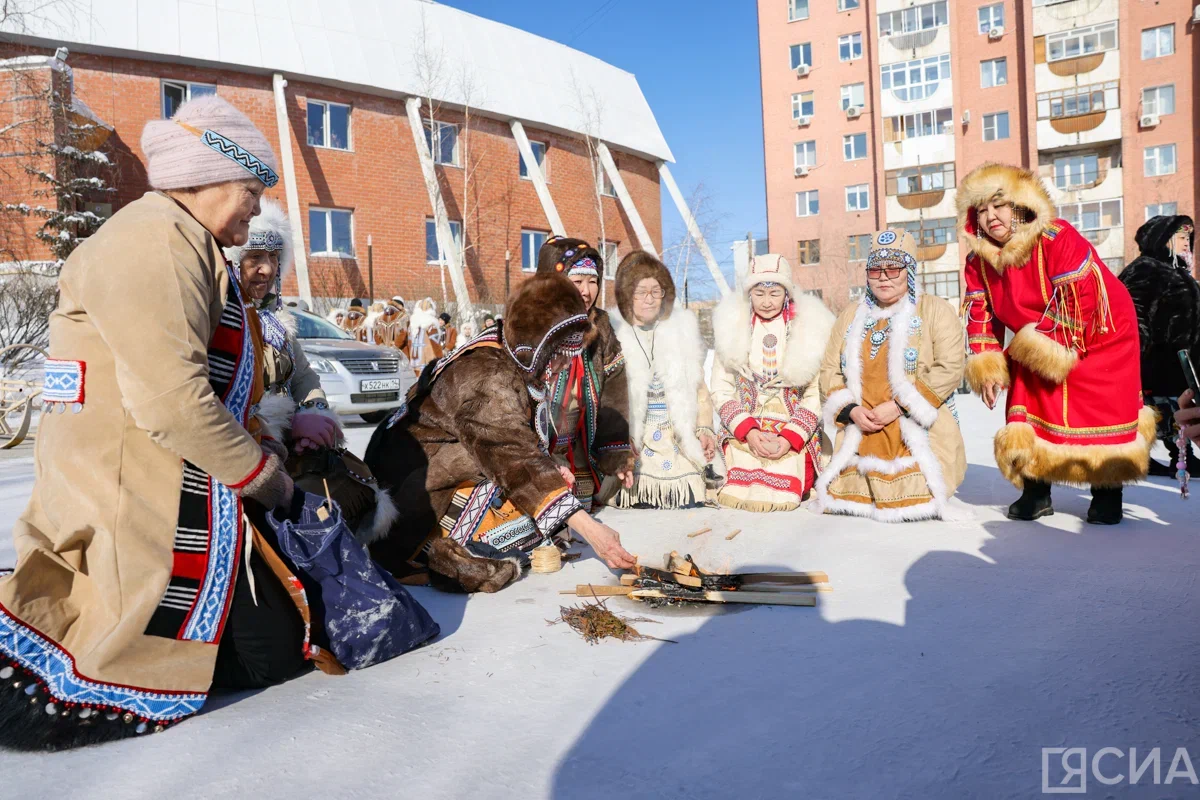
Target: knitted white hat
(207, 141)
(770, 268)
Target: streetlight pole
(370, 269)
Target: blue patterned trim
(235, 152)
(56, 668)
(62, 381)
(275, 334)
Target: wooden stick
(699, 533)
(628, 578)
(587, 590)
(669, 577)
(784, 577)
(733, 534)
(752, 598)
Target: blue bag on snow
(367, 615)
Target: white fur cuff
(919, 409)
(836, 402)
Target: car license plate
(388, 384)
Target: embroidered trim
(1038, 422)
(236, 153)
(522, 348)
(63, 381)
(553, 516)
(614, 365)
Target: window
(847, 5)
(941, 284)
(917, 79)
(806, 154)
(1159, 100)
(802, 105)
(1071, 172)
(854, 146)
(995, 126)
(606, 187)
(993, 72)
(797, 9)
(858, 197)
(1095, 216)
(911, 126)
(1161, 210)
(539, 155)
(930, 232)
(853, 96)
(991, 17)
(856, 293)
(531, 243)
(1078, 100)
(817, 293)
(608, 251)
(850, 47)
(328, 125)
(1160, 160)
(808, 251)
(801, 54)
(807, 203)
(1158, 42)
(858, 247)
(1081, 41)
(911, 20)
(433, 253)
(176, 93)
(330, 232)
(913, 180)
(442, 140)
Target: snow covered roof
(368, 45)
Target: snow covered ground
(947, 657)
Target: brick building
(343, 83)
(873, 109)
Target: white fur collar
(802, 355)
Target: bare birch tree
(589, 108)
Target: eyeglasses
(879, 272)
(657, 294)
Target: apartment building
(873, 109)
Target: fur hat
(269, 231)
(770, 268)
(894, 247)
(543, 315)
(207, 141)
(359, 305)
(1033, 212)
(633, 269)
(569, 257)
(1154, 237)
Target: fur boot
(452, 568)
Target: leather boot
(1106, 506)
(1033, 503)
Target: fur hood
(634, 268)
(541, 314)
(1154, 237)
(1014, 185)
(806, 343)
(680, 362)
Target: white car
(364, 379)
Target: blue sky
(697, 63)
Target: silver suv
(364, 379)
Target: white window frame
(803, 147)
(1076, 171)
(1074, 214)
(1154, 155)
(544, 163)
(455, 234)
(861, 193)
(995, 125)
(848, 96)
(1152, 99)
(1062, 39)
(848, 5)
(798, 103)
(1109, 92)
(905, 70)
(795, 12)
(943, 230)
(800, 54)
(328, 136)
(328, 214)
(919, 118)
(991, 16)
(611, 253)
(850, 41)
(1170, 209)
(848, 146)
(187, 87)
(912, 19)
(988, 72)
(808, 203)
(530, 234)
(1157, 50)
(604, 184)
(434, 135)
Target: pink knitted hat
(207, 141)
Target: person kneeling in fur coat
(670, 411)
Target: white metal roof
(369, 45)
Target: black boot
(1106, 506)
(1033, 503)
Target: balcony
(1096, 127)
(908, 207)
(934, 149)
(915, 45)
(1105, 182)
(942, 96)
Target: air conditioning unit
(802, 70)
(853, 112)
(966, 117)
(995, 33)
(1196, 15)
(803, 122)
(1149, 121)
(801, 171)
